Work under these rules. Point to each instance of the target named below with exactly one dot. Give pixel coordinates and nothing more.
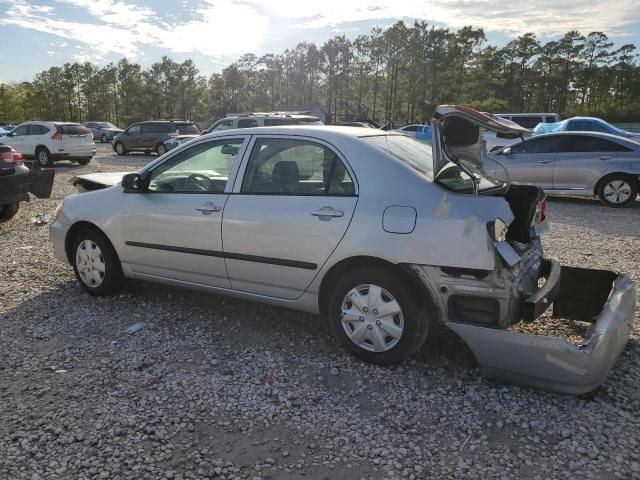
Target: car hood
(114, 130)
(97, 181)
(457, 135)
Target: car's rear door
(583, 159)
(76, 139)
(174, 230)
(287, 214)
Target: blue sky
(38, 34)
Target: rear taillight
(541, 212)
(12, 157)
(58, 134)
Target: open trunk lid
(457, 135)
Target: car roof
(320, 131)
(607, 136)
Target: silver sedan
(384, 236)
(577, 163)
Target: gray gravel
(216, 388)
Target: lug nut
(378, 323)
(362, 319)
(370, 327)
(375, 311)
(365, 309)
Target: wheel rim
(161, 150)
(119, 148)
(43, 157)
(617, 191)
(104, 139)
(90, 263)
(372, 318)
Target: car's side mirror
(136, 182)
(203, 132)
(506, 151)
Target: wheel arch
(363, 261)
(41, 145)
(607, 175)
(73, 232)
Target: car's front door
(532, 161)
(131, 139)
(19, 140)
(173, 230)
(286, 216)
(583, 160)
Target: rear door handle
(545, 161)
(606, 158)
(207, 208)
(327, 212)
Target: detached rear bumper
(605, 298)
(15, 188)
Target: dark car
(17, 181)
(103, 131)
(150, 136)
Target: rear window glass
(271, 122)
(416, 154)
(74, 129)
(187, 128)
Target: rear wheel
(618, 190)
(119, 148)
(96, 263)
(378, 316)
(44, 157)
(104, 138)
(7, 212)
(161, 149)
(84, 161)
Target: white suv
(527, 120)
(262, 120)
(51, 141)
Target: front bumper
(15, 188)
(605, 298)
(57, 235)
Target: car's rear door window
(284, 166)
(587, 143)
(247, 123)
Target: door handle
(545, 161)
(327, 212)
(606, 158)
(207, 208)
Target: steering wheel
(197, 181)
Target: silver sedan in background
(384, 236)
(575, 163)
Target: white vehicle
(249, 120)
(51, 141)
(496, 141)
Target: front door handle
(326, 213)
(606, 158)
(545, 161)
(208, 208)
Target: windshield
(107, 125)
(416, 154)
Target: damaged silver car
(386, 237)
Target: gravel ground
(213, 387)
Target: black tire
(7, 212)
(43, 157)
(104, 138)
(84, 161)
(161, 149)
(119, 148)
(614, 188)
(113, 278)
(418, 314)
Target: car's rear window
(74, 129)
(187, 128)
(416, 154)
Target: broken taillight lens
(541, 212)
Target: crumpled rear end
(603, 297)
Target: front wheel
(378, 316)
(618, 190)
(119, 148)
(104, 138)
(96, 263)
(44, 157)
(7, 212)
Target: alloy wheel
(372, 318)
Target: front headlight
(497, 230)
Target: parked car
(4, 131)
(17, 181)
(496, 140)
(261, 120)
(420, 132)
(173, 142)
(312, 218)
(48, 142)
(352, 124)
(150, 136)
(577, 163)
(103, 131)
(6, 126)
(584, 124)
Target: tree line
(397, 75)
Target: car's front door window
(21, 130)
(203, 168)
(135, 130)
(537, 145)
(286, 166)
